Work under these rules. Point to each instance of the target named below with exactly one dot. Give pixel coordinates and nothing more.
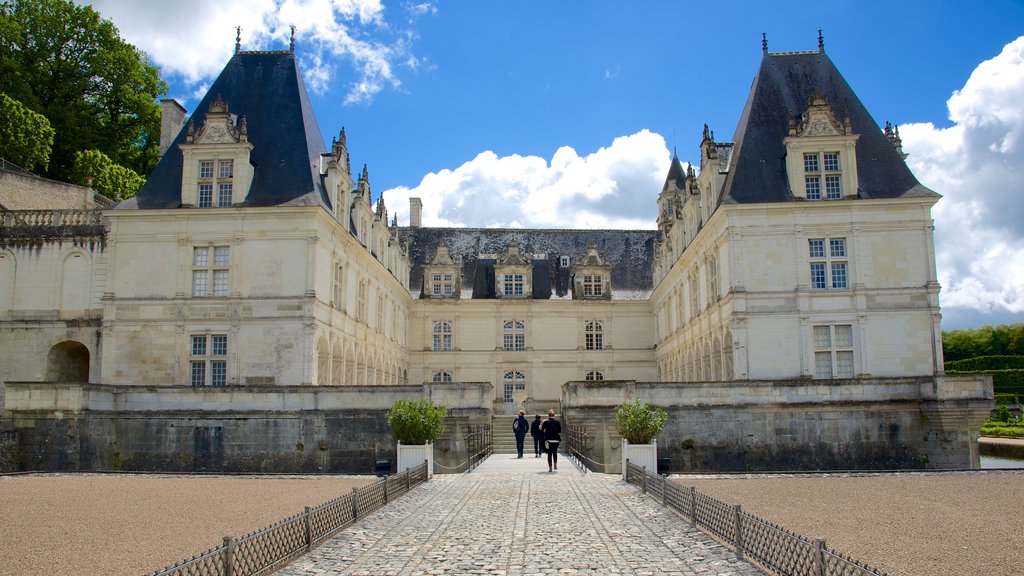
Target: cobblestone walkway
(512, 517)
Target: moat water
(1000, 462)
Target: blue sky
(565, 114)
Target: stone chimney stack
(415, 213)
(172, 118)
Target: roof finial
(238, 39)
(764, 42)
(821, 42)
(291, 45)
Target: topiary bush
(638, 423)
(416, 421)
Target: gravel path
(125, 524)
(968, 524)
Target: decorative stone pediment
(442, 275)
(513, 273)
(513, 256)
(219, 127)
(818, 120)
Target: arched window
(442, 333)
(515, 335)
(514, 381)
(594, 335)
(595, 376)
(442, 376)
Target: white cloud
(192, 39)
(976, 165)
(615, 187)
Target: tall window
(442, 376)
(833, 351)
(514, 381)
(595, 376)
(208, 360)
(593, 285)
(712, 273)
(442, 336)
(593, 335)
(380, 312)
(222, 183)
(514, 284)
(828, 263)
(361, 301)
(515, 335)
(442, 284)
(694, 296)
(339, 287)
(210, 271)
(814, 175)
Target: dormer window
(514, 284)
(216, 161)
(512, 273)
(827, 149)
(593, 285)
(831, 176)
(222, 184)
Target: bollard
(355, 504)
(819, 557)
(738, 515)
(693, 506)
(643, 479)
(229, 556)
(309, 528)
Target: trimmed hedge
(985, 364)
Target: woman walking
(552, 430)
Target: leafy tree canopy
(1003, 340)
(69, 64)
(26, 137)
(112, 180)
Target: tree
(98, 92)
(26, 137)
(112, 180)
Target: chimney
(415, 213)
(172, 118)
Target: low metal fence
(479, 445)
(265, 550)
(767, 545)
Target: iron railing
(754, 539)
(265, 550)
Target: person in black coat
(552, 438)
(520, 426)
(538, 437)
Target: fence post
(663, 482)
(738, 515)
(309, 528)
(355, 504)
(386, 489)
(643, 479)
(229, 556)
(408, 479)
(693, 506)
(625, 472)
(819, 557)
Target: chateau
(255, 307)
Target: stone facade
(253, 308)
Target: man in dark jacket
(552, 438)
(520, 426)
(538, 437)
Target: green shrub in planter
(416, 421)
(638, 423)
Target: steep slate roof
(782, 89)
(629, 252)
(267, 89)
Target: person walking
(552, 438)
(520, 426)
(538, 436)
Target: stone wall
(273, 429)
(867, 424)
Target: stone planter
(412, 455)
(640, 455)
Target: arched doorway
(68, 362)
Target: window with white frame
(208, 360)
(442, 332)
(515, 335)
(595, 376)
(210, 271)
(593, 285)
(441, 376)
(833, 351)
(339, 287)
(822, 167)
(593, 335)
(221, 181)
(514, 381)
(514, 285)
(442, 284)
(563, 261)
(829, 264)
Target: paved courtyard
(511, 516)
